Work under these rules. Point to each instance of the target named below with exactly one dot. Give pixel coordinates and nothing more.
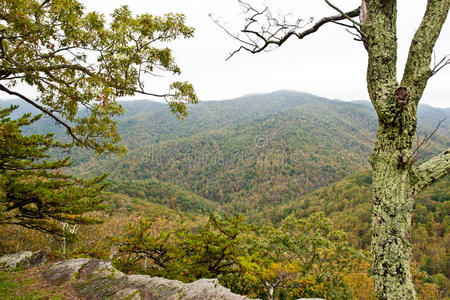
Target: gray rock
(65, 271)
(22, 260)
(208, 289)
(98, 279)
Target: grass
(28, 285)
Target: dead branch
(445, 61)
(264, 32)
(343, 13)
(416, 154)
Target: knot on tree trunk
(402, 95)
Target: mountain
(267, 156)
(248, 153)
(253, 152)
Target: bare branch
(445, 61)
(426, 139)
(262, 30)
(151, 94)
(343, 13)
(342, 24)
(360, 36)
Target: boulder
(22, 260)
(98, 279)
(65, 271)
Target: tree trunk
(396, 178)
(392, 207)
(269, 291)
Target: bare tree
(397, 177)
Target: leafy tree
(151, 241)
(208, 250)
(397, 176)
(34, 193)
(301, 257)
(214, 249)
(79, 63)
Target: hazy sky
(329, 63)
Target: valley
(266, 157)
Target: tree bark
(393, 186)
(396, 179)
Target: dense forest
(246, 191)
(254, 151)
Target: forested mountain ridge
(254, 151)
(150, 119)
(251, 152)
(267, 156)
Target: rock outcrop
(22, 260)
(98, 279)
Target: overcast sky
(329, 63)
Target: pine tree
(34, 192)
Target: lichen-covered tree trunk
(396, 177)
(393, 186)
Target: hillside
(267, 156)
(348, 204)
(252, 152)
(248, 153)
(165, 194)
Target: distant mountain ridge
(250, 152)
(254, 151)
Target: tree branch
(44, 110)
(343, 13)
(380, 28)
(445, 61)
(417, 70)
(432, 170)
(47, 69)
(44, 69)
(425, 140)
(275, 32)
